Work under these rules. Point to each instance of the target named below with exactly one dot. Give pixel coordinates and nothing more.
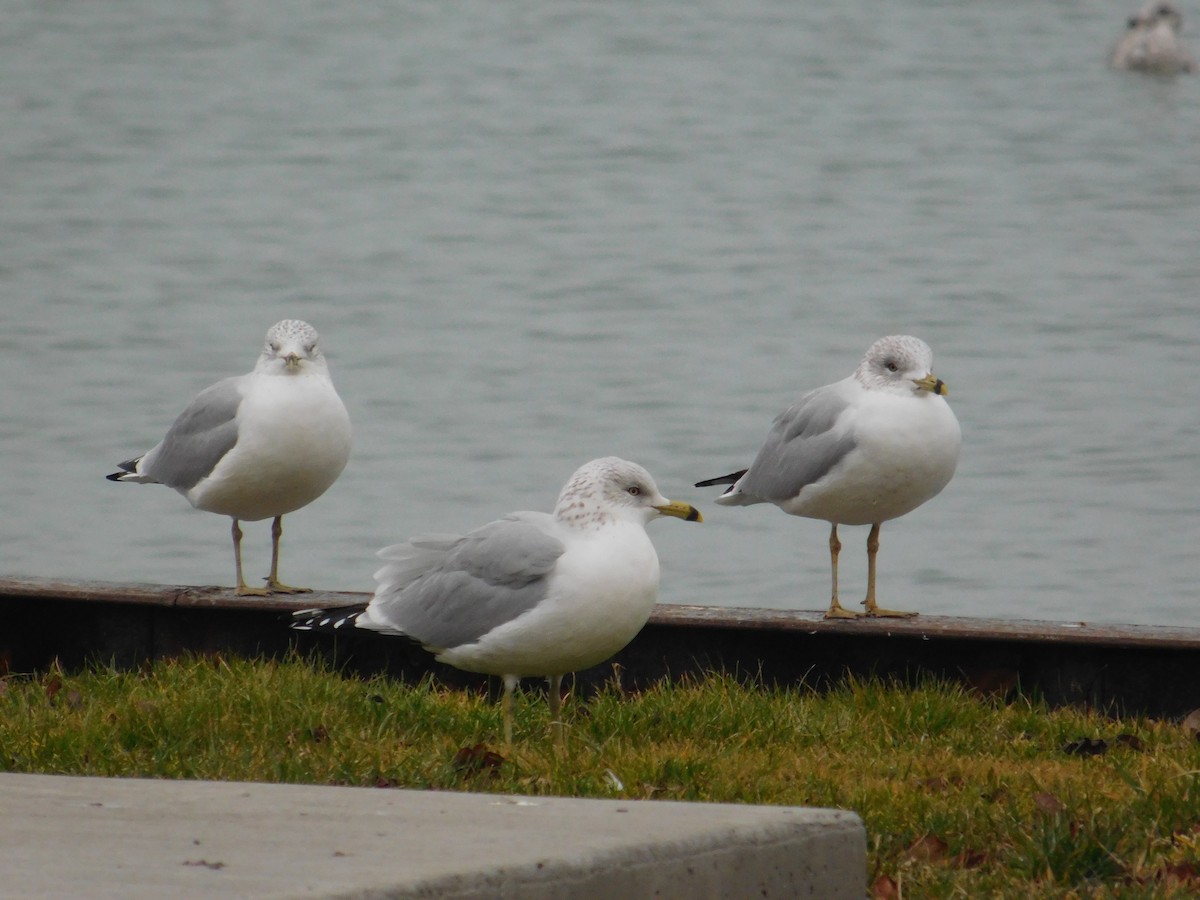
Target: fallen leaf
(1184, 872)
(1086, 747)
(929, 848)
(1131, 741)
(318, 734)
(935, 785)
(885, 888)
(53, 686)
(1048, 803)
(996, 795)
(477, 759)
(968, 859)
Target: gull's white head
(1155, 13)
(1152, 43)
(608, 489)
(291, 347)
(900, 363)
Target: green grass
(962, 796)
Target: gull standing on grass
(257, 445)
(860, 451)
(531, 594)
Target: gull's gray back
(801, 448)
(195, 443)
(447, 592)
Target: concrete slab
(134, 839)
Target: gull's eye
(309, 348)
(891, 366)
(275, 346)
(634, 491)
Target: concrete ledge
(102, 837)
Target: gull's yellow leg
(274, 585)
(555, 698)
(873, 609)
(243, 589)
(836, 610)
(510, 688)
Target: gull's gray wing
(803, 445)
(195, 443)
(447, 591)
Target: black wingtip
(327, 620)
(127, 468)
(731, 478)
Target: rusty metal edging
(670, 615)
(1132, 668)
(933, 627)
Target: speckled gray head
(1152, 43)
(611, 488)
(289, 344)
(1157, 11)
(898, 363)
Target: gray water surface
(536, 233)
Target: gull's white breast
(601, 592)
(906, 451)
(293, 442)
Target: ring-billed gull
(1152, 44)
(257, 445)
(531, 594)
(860, 451)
